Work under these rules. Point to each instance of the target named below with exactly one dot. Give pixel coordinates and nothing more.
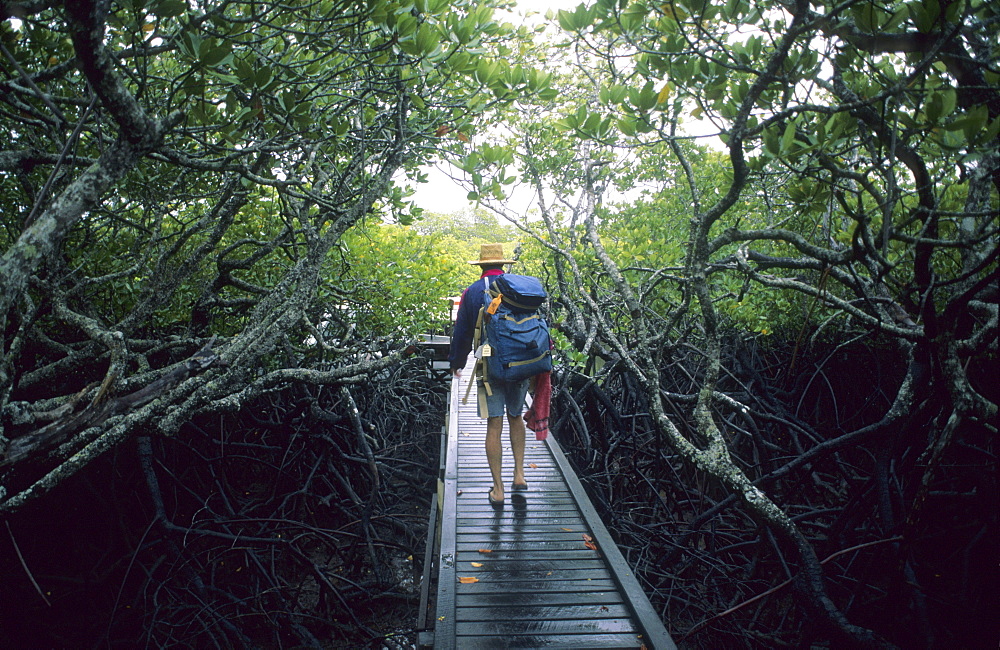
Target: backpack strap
(477, 338)
(481, 330)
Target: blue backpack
(518, 336)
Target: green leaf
(864, 16)
(565, 19)
(735, 8)
(924, 14)
(627, 125)
(973, 121)
(213, 56)
(645, 98)
(941, 104)
(566, 124)
(263, 77)
(244, 70)
(898, 17)
(618, 93)
(486, 71)
(635, 14)
(989, 136)
(169, 8)
(427, 40)
(788, 137)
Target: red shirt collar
(489, 272)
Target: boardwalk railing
(543, 571)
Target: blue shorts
(505, 396)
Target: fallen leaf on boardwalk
(459, 493)
(550, 573)
(468, 580)
(592, 546)
(587, 538)
(532, 466)
(604, 608)
(485, 550)
(476, 564)
(568, 530)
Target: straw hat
(490, 255)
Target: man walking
(505, 397)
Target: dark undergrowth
(298, 521)
(918, 566)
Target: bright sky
(441, 194)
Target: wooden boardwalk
(541, 572)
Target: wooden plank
(508, 548)
(569, 524)
(516, 504)
(513, 612)
(500, 598)
(541, 586)
(549, 554)
(524, 531)
(557, 567)
(510, 530)
(425, 582)
(570, 521)
(473, 493)
(481, 471)
(535, 626)
(540, 573)
(481, 515)
(550, 523)
(606, 641)
(540, 489)
(514, 508)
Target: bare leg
(516, 426)
(494, 453)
